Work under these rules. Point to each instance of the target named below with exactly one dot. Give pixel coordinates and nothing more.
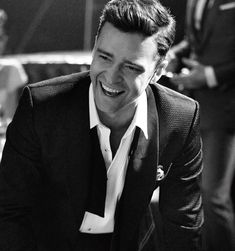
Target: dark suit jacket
(214, 45)
(46, 167)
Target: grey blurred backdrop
(56, 25)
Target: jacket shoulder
(173, 103)
(179, 119)
(58, 86)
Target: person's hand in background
(191, 77)
(173, 62)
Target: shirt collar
(94, 117)
(140, 117)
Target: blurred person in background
(204, 63)
(12, 74)
(85, 152)
(3, 35)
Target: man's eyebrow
(140, 67)
(134, 65)
(104, 52)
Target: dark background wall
(177, 8)
(46, 25)
(55, 25)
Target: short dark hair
(147, 17)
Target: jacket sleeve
(225, 74)
(18, 177)
(180, 196)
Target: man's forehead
(113, 38)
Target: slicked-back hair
(147, 17)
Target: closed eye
(133, 68)
(104, 57)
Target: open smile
(110, 91)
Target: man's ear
(160, 69)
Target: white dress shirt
(116, 167)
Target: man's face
(122, 66)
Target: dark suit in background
(213, 45)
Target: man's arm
(18, 178)
(200, 76)
(180, 196)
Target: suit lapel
(190, 28)
(86, 171)
(209, 21)
(189, 12)
(140, 178)
(78, 149)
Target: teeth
(110, 89)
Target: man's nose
(113, 74)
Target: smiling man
(123, 65)
(85, 152)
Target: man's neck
(117, 121)
(118, 124)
